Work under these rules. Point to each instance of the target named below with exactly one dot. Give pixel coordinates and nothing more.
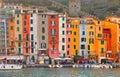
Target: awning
(12, 57)
(80, 59)
(75, 57)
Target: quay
(73, 65)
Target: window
(83, 39)
(52, 16)
(83, 32)
(27, 37)
(74, 46)
(76, 52)
(17, 21)
(32, 44)
(74, 39)
(43, 30)
(43, 16)
(63, 32)
(63, 18)
(31, 28)
(68, 46)
(32, 50)
(82, 46)
(102, 42)
(24, 29)
(31, 21)
(17, 28)
(52, 23)
(91, 27)
(99, 28)
(67, 52)
(12, 43)
(88, 47)
(32, 37)
(63, 40)
(74, 33)
(17, 15)
(19, 50)
(26, 44)
(19, 36)
(98, 22)
(99, 35)
(31, 15)
(26, 50)
(19, 44)
(43, 45)
(43, 22)
(91, 33)
(119, 39)
(68, 39)
(53, 47)
(43, 37)
(63, 47)
(25, 17)
(91, 41)
(82, 53)
(11, 27)
(102, 50)
(63, 25)
(53, 32)
(24, 22)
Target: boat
(10, 67)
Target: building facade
(53, 34)
(62, 36)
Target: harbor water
(60, 72)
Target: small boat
(10, 67)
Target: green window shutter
(88, 47)
(19, 50)
(43, 37)
(63, 47)
(32, 37)
(102, 50)
(32, 50)
(63, 18)
(102, 42)
(31, 21)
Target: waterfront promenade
(73, 65)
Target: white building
(83, 35)
(62, 35)
(33, 36)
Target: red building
(107, 37)
(26, 35)
(53, 35)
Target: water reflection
(62, 72)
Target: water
(60, 72)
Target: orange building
(11, 34)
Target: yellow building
(90, 41)
(75, 37)
(114, 19)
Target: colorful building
(11, 30)
(26, 35)
(53, 34)
(68, 38)
(33, 36)
(83, 37)
(62, 35)
(75, 37)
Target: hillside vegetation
(99, 8)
